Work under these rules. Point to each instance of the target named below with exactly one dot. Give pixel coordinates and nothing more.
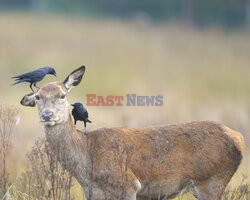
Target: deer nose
(47, 116)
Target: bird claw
(85, 132)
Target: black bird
(80, 113)
(34, 76)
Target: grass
(202, 74)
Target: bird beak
(72, 104)
(55, 74)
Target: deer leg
(116, 187)
(212, 189)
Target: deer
(159, 162)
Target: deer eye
(62, 96)
(37, 97)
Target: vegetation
(241, 192)
(44, 177)
(8, 118)
(201, 73)
(199, 12)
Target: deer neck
(69, 146)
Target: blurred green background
(194, 53)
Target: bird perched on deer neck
(34, 76)
(80, 113)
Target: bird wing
(84, 109)
(40, 73)
(75, 114)
(85, 113)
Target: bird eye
(37, 97)
(63, 96)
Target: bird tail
(17, 77)
(89, 121)
(20, 81)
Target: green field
(203, 74)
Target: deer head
(51, 99)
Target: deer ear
(74, 78)
(29, 100)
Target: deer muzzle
(47, 116)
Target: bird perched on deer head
(80, 113)
(34, 76)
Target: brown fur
(169, 154)
(188, 140)
(183, 157)
(140, 163)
